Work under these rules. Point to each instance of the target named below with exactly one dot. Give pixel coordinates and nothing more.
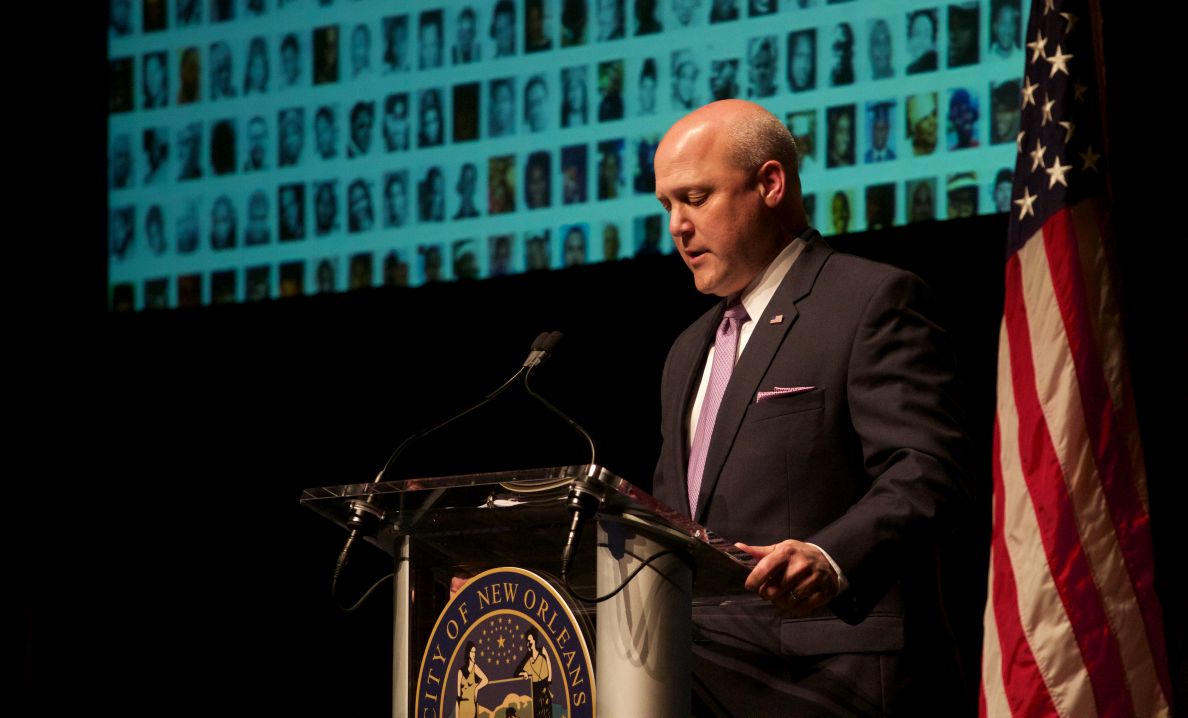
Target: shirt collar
(759, 292)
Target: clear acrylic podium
(440, 528)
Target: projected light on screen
(273, 148)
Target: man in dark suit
(828, 439)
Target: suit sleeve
(901, 394)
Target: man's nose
(679, 226)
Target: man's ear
(772, 183)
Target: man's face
(257, 135)
(647, 94)
(716, 215)
(360, 204)
(397, 202)
(608, 18)
(841, 135)
(430, 45)
(503, 29)
(880, 47)
(361, 129)
(575, 248)
(684, 10)
(325, 206)
(686, 83)
(360, 48)
(920, 40)
(465, 29)
(1006, 24)
(801, 67)
(502, 109)
(880, 132)
(289, 64)
(293, 136)
(536, 107)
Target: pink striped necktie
(725, 348)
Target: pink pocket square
(782, 391)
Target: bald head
(752, 135)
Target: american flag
(1072, 623)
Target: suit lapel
(752, 365)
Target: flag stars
(1059, 62)
(1037, 155)
(1028, 91)
(1089, 159)
(1047, 108)
(1056, 173)
(1071, 20)
(1025, 203)
(1049, 6)
(1069, 127)
(1037, 47)
(1019, 140)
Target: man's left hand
(795, 576)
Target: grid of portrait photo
(261, 149)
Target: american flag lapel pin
(777, 319)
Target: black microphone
(585, 496)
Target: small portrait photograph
(963, 128)
(501, 94)
(291, 204)
(362, 128)
(610, 90)
(573, 96)
(840, 126)
(922, 123)
(219, 61)
(153, 17)
(291, 62)
(538, 252)
(467, 188)
(431, 128)
(762, 60)
(466, 111)
(647, 18)
(803, 126)
(292, 279)
(919, 202)
(466, 48)
(503, 28)
(841, 58)
(574, 159)
(291, 124)
(646, 83)
(802, 60)
(256, 70)
(759, 8)
(189, 72)
(464, 259)
(154, 230)
(360, 272)
(574, 19)
(921, 41)
(222, 10)
(155, 80)
(1005, 28)
(499, 254)
(360, 51)
(573, 244)
(223, 224)
(538, 185)
(964, 34)
(189, 151)
(723, 79)
(360, 210)
(256, 155)
(258, 229)
(880, 48)
(325, 54)
(686, 13)
(840, 204)
(611, 243)
(325, 200)
(121, 231)
(610, 20)
(258, 8)
(961, 195)
(538, 26)
(501, 184)
(155, 142)
(223, 138)
(395, 32)
(119, 161)
(188, 13)
(430, 263)
(119, 18)
(1000, 191)
(396, 123)
(644, 181)
(156, 294)
(222, 287)
(395, 269)
(396, 198)
(430, 37)
(431, 196)
(189, 291)
(723, 10)
(649, 232)
(610, 169)
(1004, 111)
(257, 283)
(536, 103)
(685, 72)
(880, 146)
(325, 126)
(119, 72)
(326, 275)
(880, 206)
(186, 226)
